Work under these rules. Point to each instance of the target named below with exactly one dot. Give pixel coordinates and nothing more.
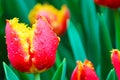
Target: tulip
(56, 18)
(84, 71)
(115, 57)
(109, 3)
(33, 49)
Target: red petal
(115, 56)
(84, 71)
(44, 45)
(16, 53)
(109, 3)
(90, 74)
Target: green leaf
(66, 52)
(112, 75)
(16, 8)
(48, 74)
(90, 23)
(25, 76)
(10, 75)
(117, 28)
(106, 46)
(76, 42)
(21, 75)
(58, 61)
(61, 71)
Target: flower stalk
(36, 76)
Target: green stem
(58, 61)
(36, 76)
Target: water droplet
(42, 40)
(38, 32)
(16, 52)
(16, 39)
(12, 32)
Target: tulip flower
(115, 57)
(56, 18)
(33, 49)
(109, 3)
(84, 71)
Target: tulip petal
(76, 75)
(109, 3)
(17, 54)
(89, 74)
(44, 45)
(115, 56)
(84, 71)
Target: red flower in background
(115, 56)
(109, 3)
(31, 49)
(84, 71)
(56, 18)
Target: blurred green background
(91, 34)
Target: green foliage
(112, 75)
(76, 43)
(93, 31)
(10, 75)
(61, 71)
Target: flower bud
(115, 57)
(84, 71)
(31, 49)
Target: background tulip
(115, 57)
(56, 18)
(84, 71)
(109, 3)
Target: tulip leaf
(47, 74)
(20, 7)
(66, 52)
(58, 61)
(76, 42)
(117, 28)
(112, 75)
(91, 26)
(10, 75)
(61, 71)
(25, 76)
(106, 46)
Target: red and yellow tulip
(84, 71)
(56, 18)
(31, 49)
(115, 57)
(109, 3)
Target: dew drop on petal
(16, 39)
(38, 32)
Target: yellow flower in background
(56, 18)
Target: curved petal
(115, 56)
(84, 71)
(43, 45)
(17, 54)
